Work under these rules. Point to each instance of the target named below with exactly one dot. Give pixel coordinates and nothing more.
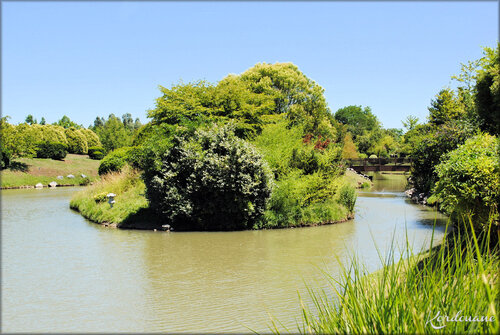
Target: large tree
(113, 134)
(445, 107)
(263, 89)
(66, 122)
(358, 120)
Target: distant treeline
(42, 140)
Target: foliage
(366, 130)
(446, 107)
(410, 123)
(469, 180)
(54, 150)
(210, 181)
(30, 120)
(300, 199)
(77, 141)
(293, 94)
(349, 150)
(357, 119)
(115, 160)
(277, 143)
(183, 102)
(91, 137)
(431, 144)
(52, 133)
(66, 123)
(487, 95)
(347, 197)
(96, 153)
(285, 149)
(16, 141)
(112, 133)
(261, 90)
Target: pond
(62, 273)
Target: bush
(96, 153)
(52, 150)
(431, 144)
(92, 138)
(77, 142)
(114, 161)
(469, 180)
(49, 133)
(347, 197)
(210, 181)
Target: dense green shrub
(96, 153)
(92, 138)
(48, 133)
(210, 181)
(469, 180)
(430, 145)
(347, 197)
(115, 160)
(77, 141)
(52, 150)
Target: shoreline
(34, 187)
(154, 227)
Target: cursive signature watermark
(439, 321)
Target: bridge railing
(379, 161)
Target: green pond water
(62, 273)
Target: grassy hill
(30, 171)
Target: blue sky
(88, 59)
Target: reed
(438, 291)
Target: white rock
(52, 184)
(39, 185)
(60, 177)
(70, 176)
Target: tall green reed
(438, 291)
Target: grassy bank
(30, 171)
(421, 294)
(130, 209)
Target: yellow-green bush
(92, 138)
(77, 141)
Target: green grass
(129, 201)
(30, 171)
(405, 297)
(356, 180)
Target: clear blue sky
(88, 59)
